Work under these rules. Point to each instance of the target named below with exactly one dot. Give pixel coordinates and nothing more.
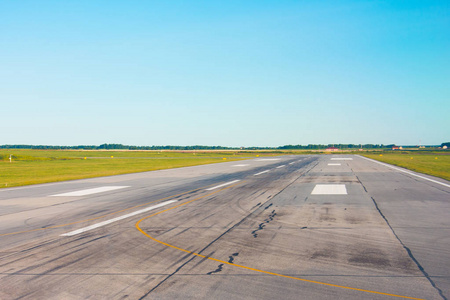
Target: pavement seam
(410, 254)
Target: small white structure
(332, 149)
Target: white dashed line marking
(81, 230)
(334, 164)
(268, 159)
(221, 185)
(261, 172)
(342, 158)
(280, 166)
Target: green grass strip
(431, 164)
(37, 166)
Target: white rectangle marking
(219, 186)
(329, 189)
(342, 158)
(334, 164)
(261, 172)
(243, 165)
(90, 191)
(292, 163)
(81, 230)
(281, 166)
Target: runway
(289, 227)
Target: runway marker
(292, 163)
(342, 158)
(268, 159)
(219, 186)
(280, 166)
(407, 172)
(261, 172)
(81, 230)
(90, 191)
(334, 164)
(243, 165)
(329, 189)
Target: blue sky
(230, 73)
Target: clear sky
(230, 73)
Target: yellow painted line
(103, 216)
(249, 268)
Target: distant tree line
(200, 147)
(340, 146)
(115, 147)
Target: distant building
(444, 147)
(397, 148)
(332, 149)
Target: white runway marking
(243, 165)
(218, 186)
(342, 158)
(261, 172)
(90, 191)
(268, 159)
(281, 166)
(329, 189)
(334, 164)
(292, 163)
(81, 230)
(404, 171)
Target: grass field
(434, 164)
(42, 166)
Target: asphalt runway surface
(290, 227)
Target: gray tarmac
(251, 229)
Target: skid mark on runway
(263, 224)
(231, 257)
(268, 206)
(220, 267)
